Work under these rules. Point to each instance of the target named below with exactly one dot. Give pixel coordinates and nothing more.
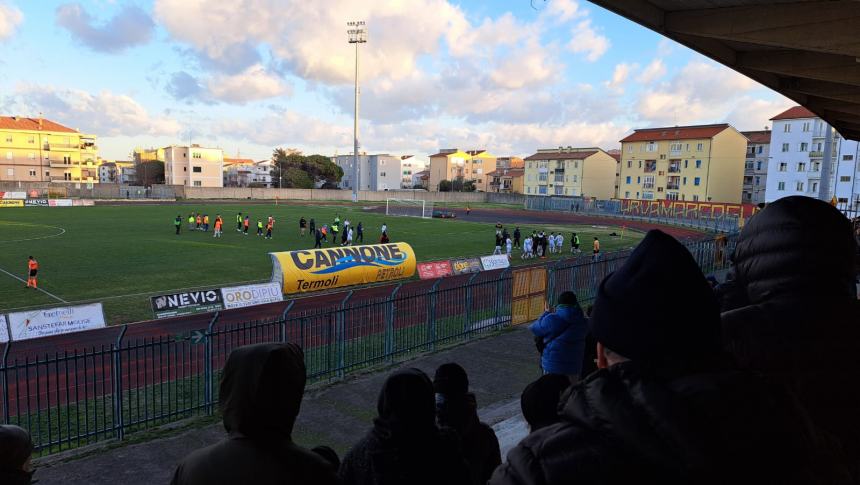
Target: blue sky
(251, 75)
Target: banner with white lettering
(496, 261)
(4, 330)
(250, 295)
(187, 302)
(55, 321)
(13, 195)
(60, 202)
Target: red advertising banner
(434, 269)
(686, 209)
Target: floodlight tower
(357, 35)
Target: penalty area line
(40, 289)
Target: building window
(842, 200)
(627, 194)
(9, 156)
(698, 164)
(786, 128)
(760, 149)
(804, 147)
(695, 198)
(651, 147)
(847, 158)
(783, 166)
(8, 138)
(845, 178)
(686, 162)
(758, 180)
(697, 181)
(528, 190)
(685, 180)
(10, 172)
(800, 186)
(758, 165)
(47, 173)
(629, 163)
(638, 180)
(542, 189)
(700, 147)
(197, 169)
(197, 155)
(198, 183)
(814, 187)
(801, 167)
(31, 156)
(648, 183)
(748, 166)
(785, 147)
(31, 139)
(630, 148)
(32, 173)
(805, 126)
(628, 179)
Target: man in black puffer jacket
(795, 262)
(664, 408)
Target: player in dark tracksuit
(359, 236)
(517, 237)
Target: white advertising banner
(60, 202)
(4, 330)
(249, 295)
(13, 195)
(55, 321)
(496, 261)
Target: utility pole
(357, 35)
(826, 164)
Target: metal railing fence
(71, 398)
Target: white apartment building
(193, 166)
(409, 166)
(247, 173)
(376, 172)
(755, 166)
(796, 155)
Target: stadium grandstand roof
(32, 124)
(676, 133)
(757, 136)
(804, 49)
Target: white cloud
(652, 72)
(287, 128)
(255, 83)
(755, 114)
(585, 40)
(10, 19)
(619, 76)
(102, 114)
(562, 10)
(131, 26)
(700, 92)
(528, 65)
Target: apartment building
(409, 166)
(376, 172)
(454, 164)
(580, 172)
(507, 180)
(755, 166)
(695, 163)
(41, 150)
(797, 155)
(193, 166)
(244, 172)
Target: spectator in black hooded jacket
(405, 446)
(261, 391)
(15, 450)
(663, 408)
(457, 408)
(795, 263)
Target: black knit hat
(539, 401)
(451, 380)
(658, 305)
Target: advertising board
(55, 321)
(250, 295)
(434, 269)
(186, 303)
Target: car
(444, 214)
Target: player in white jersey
(509, 246)
(559, 243)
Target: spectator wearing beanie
(261, 391)
(663, 408)
(563, 333)
(15, 450)
(456, 408)
(795, 264)
(539, 401)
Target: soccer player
(205, 222)
(344, 234)
(302, 226)
(349, 237)
(334, 230)
(508, 246)
(239, 222)
(337, 219)
(269, 226)
(517, 237)
(178, 223)
(271, 220)
(574, 243)
(245, 223)
(551, 241)
(498, 249)
(384, 228)
(596, 245)
(526, 242)
(199, 220)
(468, 210)
(559, 243)
(498, 228)
(384, 239)
(324, 232)
(259, 227)
(359, 234)
(313, 225)
(317, 238)
(219, 225)
(191, 222)
(32, 271)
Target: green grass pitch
(120, 255)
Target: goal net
(408, 207)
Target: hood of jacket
(261, 390)
(796, 245)
(406, 407)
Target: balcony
(62, 164)
(648, 185)
(673, 186)
(816, 154)
(559, 179)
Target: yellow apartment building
(507, 180)
(41, 150)
(454, 164)
(575, 172)
(696, 163)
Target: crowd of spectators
(669, 378)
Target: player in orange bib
(219, 223)
(32, 270)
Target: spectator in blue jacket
(562, 333)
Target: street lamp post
(357, 35)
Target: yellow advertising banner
(322, 269)
(11, 203)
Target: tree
(445, 186)
(469, 186)
(295, 170)
(149, 173)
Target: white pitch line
(62, 231)
(40, 289)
